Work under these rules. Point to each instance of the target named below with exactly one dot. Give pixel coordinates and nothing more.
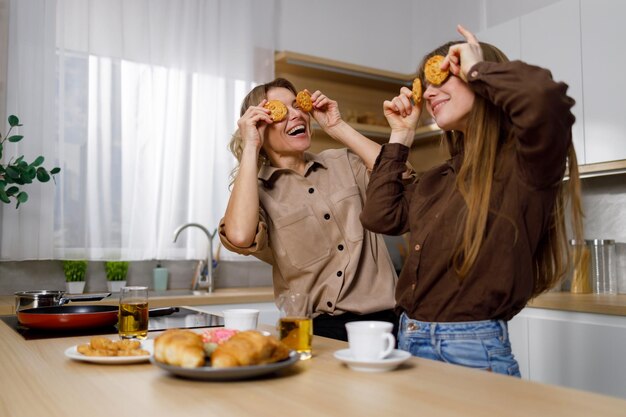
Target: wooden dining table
(38, 379)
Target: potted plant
(116, 274)
(18, 172)
(75, 272)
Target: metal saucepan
(47, 298)
(76, 317)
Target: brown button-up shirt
(309, 231)
(523, 195)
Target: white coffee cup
(370, 340)
(241, 318)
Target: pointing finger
(469, 36)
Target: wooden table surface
(36, 379)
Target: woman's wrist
(336, 130)
(402, 136)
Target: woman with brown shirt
(299, 211)
(486, 228)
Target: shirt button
(327, 216)
(339, 273)
(418, 247)
(311, 190)
(412, 286)
(474, 74)
(340, 247)
(329, 304)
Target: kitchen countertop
(38, 380)
(177, 298)
(584, 303)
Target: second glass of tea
(295, 325)
(133, 315)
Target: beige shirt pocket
(302, 237)
(348, 205)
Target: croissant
(180, 348)
(248, 348)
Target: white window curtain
(136, 101)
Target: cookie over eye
(433, 72)
(303, 99)
(277, 109)
(417, 91)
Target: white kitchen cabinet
(603, 61)
(505, 36)
(578, 40)
(578, 350)
(550, 38)
(268, 312)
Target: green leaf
(14, 121)
(12, 172)
(15, 138)
(22, 197)
(55, 170)
(11, 191)
(3, 197)
(42, 175)
(30, 172)
(18, 160)
(37, 161)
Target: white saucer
(395, 358)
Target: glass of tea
(133, 315)
(295, 325)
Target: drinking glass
(295, 325)
(133, 315)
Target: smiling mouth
(438, 106)
(297, 130)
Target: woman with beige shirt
(299, 211)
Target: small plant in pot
(116, 274)
(75, 272)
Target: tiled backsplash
(48, 275)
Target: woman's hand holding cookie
(463, 56)
(325, 111)
(400, 111)
(253, 123)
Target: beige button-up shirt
(309, 231)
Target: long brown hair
(253, 98)
(488, 132)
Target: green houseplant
(16, 173)
(75, 272)
(116, 274)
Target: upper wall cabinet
(578, 41)
(550, 38)
(603, 34)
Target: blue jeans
(475, 344)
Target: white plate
(148, 345)
(207, 373)
(390, 362)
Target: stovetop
(184, 318)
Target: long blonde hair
(253, 98)
(487, 133)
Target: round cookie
(277, 109)
(417, 91)
(433, 72)
(303, 99)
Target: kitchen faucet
(205, 274)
